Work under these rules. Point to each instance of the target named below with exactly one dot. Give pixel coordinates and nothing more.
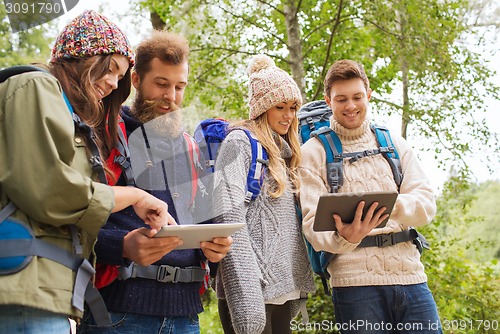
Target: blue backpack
(314, 122)
(210, 133)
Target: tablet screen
(345, 204)
(192, 235)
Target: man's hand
(358, 229)
(140, 247)
(216, 249)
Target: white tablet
(193, 235)
(345, 204)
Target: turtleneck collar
(350, 134)
(285, 149)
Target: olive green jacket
(46, 173)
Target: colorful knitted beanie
(269, 85)
(91, 34)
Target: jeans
(386, 309)
(125, 323)
(27, 320)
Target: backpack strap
(194, 157)
(123, 158)
(163, 273)
(389, 152)
(95, 159)
(256, 171)
(16, 70)
(83, 290)
(391, 239)
(334, 158)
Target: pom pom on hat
(269, 85)
(91, 34)
(258, 63)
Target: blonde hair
(260, 128)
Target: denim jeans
(27, 320)
(386, 309)
(125, 323)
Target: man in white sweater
(375, 289)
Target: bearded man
(144, 299)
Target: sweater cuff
(250, 328)
(344, 244)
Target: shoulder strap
(83, 290)
(334, 159)
(123, 159)
(194, 157)
(16, 70)
(256, 171)
(389, 152)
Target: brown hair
(77, 76)
(167, 46)
(344, 70)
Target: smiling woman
(66, 118)
(117, 69)
(244, 298)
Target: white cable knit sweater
(268, 259)
(415, 206)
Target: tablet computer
(345, 204)
(192, 235)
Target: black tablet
(193, 235)
(345, 204)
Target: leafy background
(431, 65)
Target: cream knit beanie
(269, 85)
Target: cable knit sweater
(268, 259)
(395, 265)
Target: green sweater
(45, 172)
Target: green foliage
(420, 47)
(24, 47)
(466, 291)
(209, 319)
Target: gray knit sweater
(268, 259)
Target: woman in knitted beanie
(56, 130)
(263, 280)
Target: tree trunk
(294, 45)
(405, 116)
(156, 20)
(405, 119)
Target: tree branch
(198, 77)
(329, 47)
(273, 7)
(251, 23)
(238, 51)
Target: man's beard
(146, 111)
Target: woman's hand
(152, 210)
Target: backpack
(19, 245)
(210, 133)
(314, 122)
